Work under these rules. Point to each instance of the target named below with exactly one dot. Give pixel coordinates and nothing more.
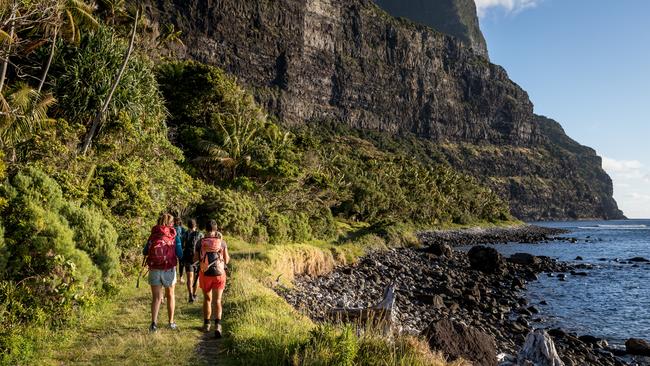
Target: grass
(260, 327)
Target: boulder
(524, 259)
(457, 340)
(637, 346)
(440, 249)
(539, 350)
(639, 259)
(486, 259)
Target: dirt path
(117, 334)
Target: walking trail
(117, 334)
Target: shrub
(279, 228)
(96, 236)
(234, 211)
(52, 252)
(300, 229)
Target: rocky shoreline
(497, 235)
(478, 289)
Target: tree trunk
(100, 115)
(5, 64)
(380, 315)
(49, 60)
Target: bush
(96, 236)
(234, 212)
(279, 228)
(300, 229)
(51, 266)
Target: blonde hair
(166, 220)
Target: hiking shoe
(206, 328)
(153, 328)
(217, 332)
(191, 299)
(173, 326)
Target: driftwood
(539, 350)
(380, 316)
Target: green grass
(260, 327)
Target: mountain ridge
(309, 61)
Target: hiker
(212, 254)
(161, 253)
(190, 241)
(180, 235)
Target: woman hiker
(212, 254)
(180, 235)
(192, 237)
(161, 254)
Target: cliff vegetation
(97, 138)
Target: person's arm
(145, 250)
(226, 256)
(197, 248)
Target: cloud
(510, 6)
(621, 166)
(639, 196)
(631, 190)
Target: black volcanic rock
(485, 259)
(349, 62)
(637, 346)
(457, 340)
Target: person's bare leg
(217, 303)
(156, 298)
(190, 282)
(207, 304)
(171, 303)
(217, 312)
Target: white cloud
(621, 166)
(510, 6)
(631, 190)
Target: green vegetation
(185, 138)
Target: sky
(586, 64)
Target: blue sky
(586, 64)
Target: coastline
(437, 282)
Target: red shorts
(209, 283)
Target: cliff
(454, 17)
(348, 61)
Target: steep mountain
(309, 61)
(454, 17)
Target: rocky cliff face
(347, 60)
(454, 17)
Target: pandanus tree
(71, 18)
(22, 112)
(236, 130)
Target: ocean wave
(615, 227)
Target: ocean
(613, 300)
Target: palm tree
(237, 130)
(71, 16)
(22, 112)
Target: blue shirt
(179, 235)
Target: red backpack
(211, 257)
(162, 250)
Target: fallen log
(380, 316)
(539, 350)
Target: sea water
(613, 300)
